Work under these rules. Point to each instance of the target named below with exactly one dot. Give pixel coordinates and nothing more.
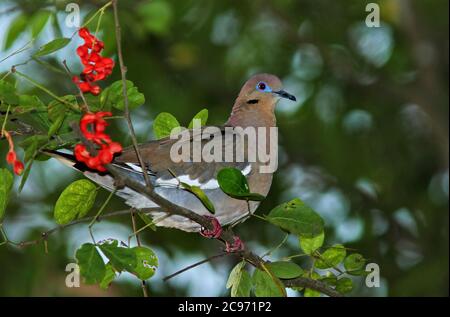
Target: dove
(253, 112)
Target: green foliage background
(366, 145)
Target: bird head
(259, 96)
(264, 88)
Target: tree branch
(170, 208)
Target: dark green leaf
(32, 144)
(76, 200)
(163, 125)
(329, 278)
(56, 109)
(15, 29)
(297, 218)
(8, 93)
(234, 184)
(202, 115)
(92, 267)
(29, 103)
(285, 269)
(113, 96)
(354, 263)
(52, 46)
(309, 245)
(120, 258)
(6, 182)
(266, 285)
(331, 257)
(344, 285)
(110, 275)
(55, 126)
(38, 21)
(200, 194)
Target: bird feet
(237, 245)
(215, 232)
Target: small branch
(85, 106)
(165, 279)
(123, 71)
(312, 284)
(46, 234)
(138, 241)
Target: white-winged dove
(254, 107)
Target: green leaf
(311, 293)
(200, 194)
(243, 286)
(164, 124)
(202, 115)
(92, 267)
(329, 278)
(146, 262)
(309, 245)
(29, 103)
(234, 184)
(354, 263)
(38, 21)
(52, 47)
(234, 274)
(120, 258)
(15, 29)
(56, 109)
(110, 275)
(113, 96)
(297, 218)
(32, 144)
(8, 93)
(76, 200)
(55, 126)
(265, 285)
(239, 281)
(156, 16)
(6, 182)
(285, 269)
(147, 220)
(344, 285)
(331, 257)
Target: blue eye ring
(262, 86)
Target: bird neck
(252, 115)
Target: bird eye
(262, 86)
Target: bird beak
(286, 95)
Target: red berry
(18, 167)
(11, 157)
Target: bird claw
(213, 233)
(237, 245)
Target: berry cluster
(11, 156)
(93, 126)
(96, 67)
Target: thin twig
(123, 71)
(165, 279)
(85, 106)
(138, 241)
(47, 233)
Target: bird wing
(168, 173)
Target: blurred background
(366, 143)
